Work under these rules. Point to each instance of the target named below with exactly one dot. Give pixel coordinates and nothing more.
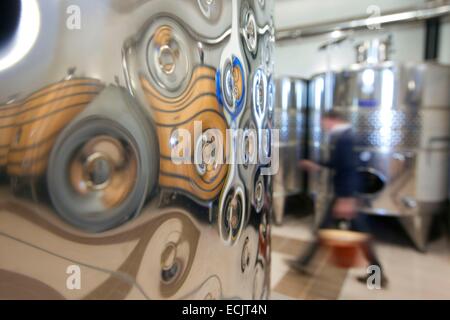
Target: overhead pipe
(435, 10)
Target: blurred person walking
(342, 211)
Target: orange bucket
(346, 247)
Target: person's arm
(309, 165)
(325, 164)
(345, 208)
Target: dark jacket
(343, 163)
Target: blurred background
(391, 83)
(408, 39)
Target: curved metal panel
(131, 137)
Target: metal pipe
(293, 33)
(432, 28)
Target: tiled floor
(411, 274)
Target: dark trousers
(358, 224)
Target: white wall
(444, 52)
(302, 58)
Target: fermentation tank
(319, 101)
(120, 150)
(401, 115)
(290, 120)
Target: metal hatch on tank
(89, 118)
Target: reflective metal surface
(90, 120)
(290, 119)
(401, 114)
(319, 101)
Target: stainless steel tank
(118, 176)
(290, 120)
(401, 113)
(320, 91)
